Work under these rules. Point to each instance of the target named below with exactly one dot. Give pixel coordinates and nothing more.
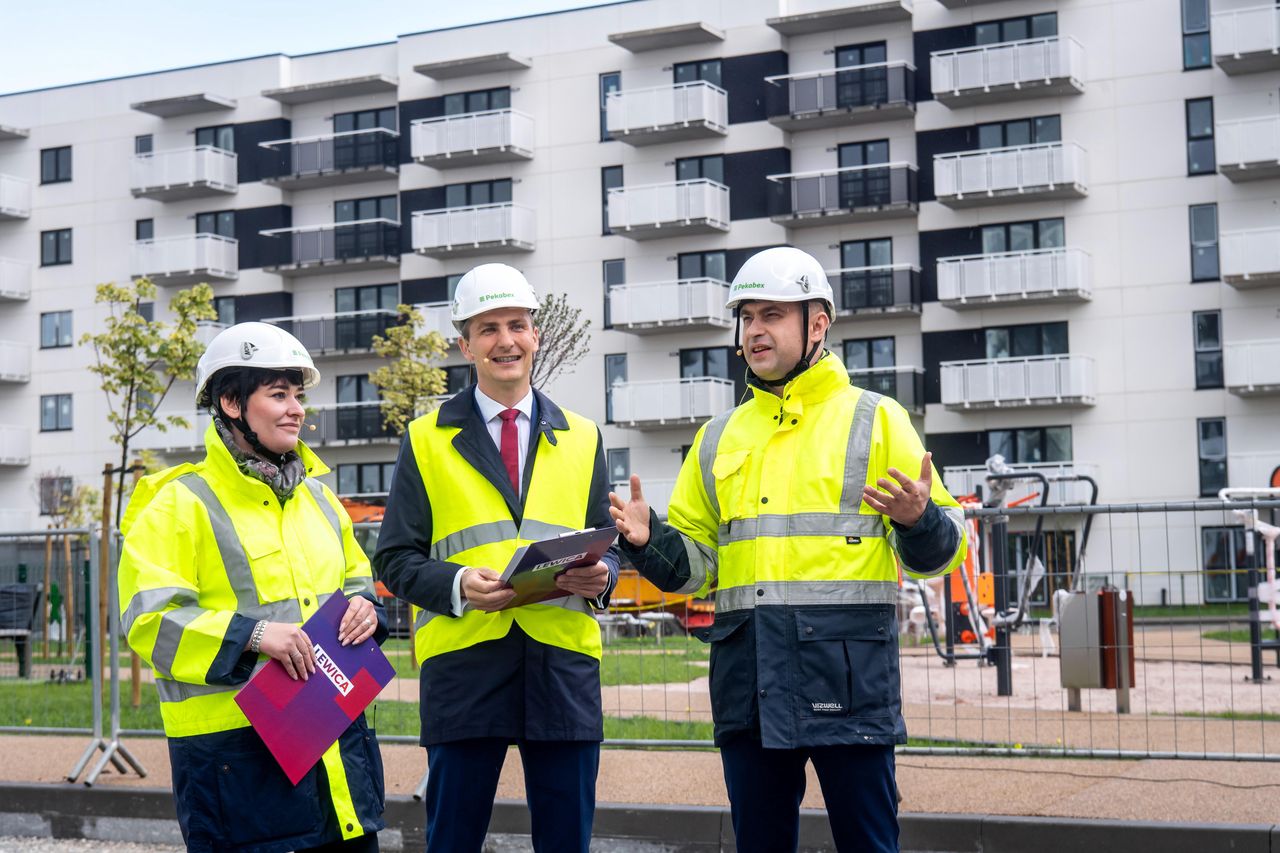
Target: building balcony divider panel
(478, 230)
(15, 197)
(662, 403)
(657, 493)
(438, 317)
(15, 361)
(966, 479)
(15, 280)
(472, 139)
(1041, 275)
(333, 159)
(1018, 382)
(668, 210)
(873, 291)
(850, 194)
(1248, 149)
(1251, 258)
(343, 333)
(902, 383)
(1246, 40)
(991, 73)
(314, 249)
(842, 96)
(660, 305)
(1244, 470)
(183, 173)
(696, 110)
(187, 259)
(1050, 170)
(15, 445)
(1252, 368)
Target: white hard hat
(491, 286)
(259, 345)
(782, 274)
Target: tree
(563, 338)
(131, 353)
(409, 382)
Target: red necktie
(510, 446)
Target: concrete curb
(146, 815)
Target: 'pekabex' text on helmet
(782, 274)
(491, 286)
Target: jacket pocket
(732, 671)
(844, 662)
(731, 470)
(272, 574)
(256, 801)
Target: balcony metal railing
(681, 207)
(892, 289)
(15, 445)
(207, 330)
(351, 154)
(1016, 173)
(669, 402)
(904, 384)
(992, 72)
(15, 280)
(1043, 380)
(1252, 367)
(474, 230)
(1246, 470)
(662, 304)
(15, 197)
(1248, 149)
(874, 92)
(184, 173)
(335, 424)
(1246, 40)
(470, 138)
(1044, 275)
(188, 258)
(1251, 258)
(965, 480)
(342, 332)
(665, 113)
(312, 247)
(841, 195)
(657, 493)
(15, 361)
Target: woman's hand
(290, 645)
(359, 622)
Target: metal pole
(948, 620)
(1255, 614)
(1000, 652)
(94, 668)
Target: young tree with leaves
(409, 382)
(563, 338)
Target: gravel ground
(55, 845)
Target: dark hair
(239, 383)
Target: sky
(46, 44)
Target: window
(1021, 131)
(610, 179)
(618, 460)
(866, 281)
(1196, 52)
(1201, 158)
(144, 229)
(863, 187)
(868, 83)
(143, 144)
(55, 247)
(1226, 564)
(354, 149)
(55, 165)
(222, 223)
(610, 82)
(55, 495)
(704, 362)
(362, 209)
(707, 70)
(147, 311)
(384, 117)
(358, 421)
(222, 136)
(357, 388)
(1212, 447)
(1027, 341)
(456, 378)
(868, 353)
(482, 101)
(703, 265)
(1204, 242)
(477, 193)
(1023, 236)
(615, 373)
(1016, 29)
(1207, 327)
(225, 308)
(55, 330)
(365, 478)
(55, 412)
(367, 311)
(368, 298)
(615, 273)
(710, 167)
(1031, 445)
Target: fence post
(1001, 652)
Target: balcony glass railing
(461, 228)
(876, 289)
(1014, 64)
(824, 193)
(1043, 380)
(1239, 32)
(349, 331)
(201, 166)
(312, 156)
(670, 303)
(190, 255)
(15, 197)
(683, 203)
(469, 134)
(1017, 170)
(1014, 276)
(669, 401)
(1251, 255)
(15, 361)
(341, 242)
(667, 107)
(1248, 142)
(15, 280)
(15, 445)
(854, 87)
(1252, 367)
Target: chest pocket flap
(272, 574)
(731, 470)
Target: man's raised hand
(631, 517)
(904, 501)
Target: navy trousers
(559, 781)
(767, 785)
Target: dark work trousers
(559, 781)
(767, 785)
(361, 844)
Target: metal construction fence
(1138, 630)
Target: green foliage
(410, 382)
(563, 338)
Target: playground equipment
(1260, 591)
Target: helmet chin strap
(799, 367)
(250, 436)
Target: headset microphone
(311, 427)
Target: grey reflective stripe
(707, 456)
(956, 516)
(703, 562)
(286, 610)
(154, 601)
(234, 559)
(172, 624)
(858, 455)
(357, 586)
(473, 537)
(801, 524)
(805, 593)
(317, 492)
(534, 530)
(177, 691)
(424, 616)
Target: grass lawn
(1236, 635)
(664, 668)
(42, 703)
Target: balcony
(459, 232)
(668, 403)
(18, 520)
(336, 425)
(1042, 275)
(1252, 368)
(1251, 258)
(335, 159)
(15, 362)
(1249, 149)
(904, 384)
(1252, 470)
(965, 480)
(1021, 173)
(963, 4)
(15, 198)
(207, 330)
(341, 334)
(189, 259)
(472, 139)
(316, 249)
(842, 96)
(669, 210)
(15, 280)
(1014, 70)
(438, 317)
(691, 303)
(184, 173)
(851, 194)
(682, 111)
(1020, 382)
(9, 133)
(876, 291)
(15, 445)
(820, 16)
(1247, 40)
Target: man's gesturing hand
(905, 500)
(632, 517)
(484, 589)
